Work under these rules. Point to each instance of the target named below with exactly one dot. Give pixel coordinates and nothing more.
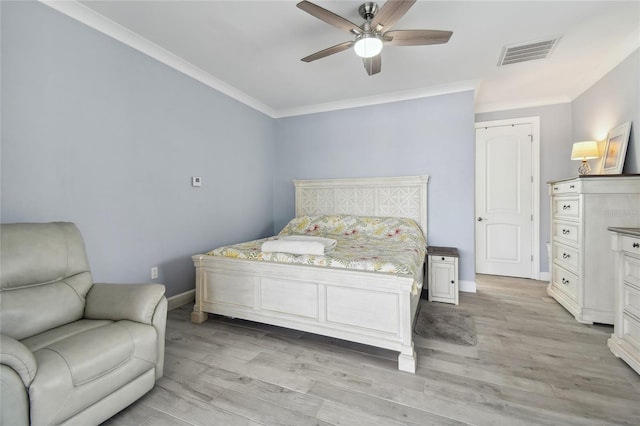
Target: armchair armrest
(16, 356)
(135, 302)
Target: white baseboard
(545, 276)
(181, 299)
(467, 286)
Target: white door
(504, 200)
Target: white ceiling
(251, 50)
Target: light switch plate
(196, 181)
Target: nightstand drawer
(565, 281)
(565, 187)
(565, 207)
(445, 259)
(631, 245)
(566, 256)
(568, 232)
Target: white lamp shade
(586, 150)
(368, 46)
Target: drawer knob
(565, 231)
(566, 256)
(636, 245)
(571, 186)
(565, 281)
(443, 258)
(566, 207)
(453, 282)
(555, 188)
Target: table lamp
(587, 150)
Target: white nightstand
(442, 274)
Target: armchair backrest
(44, 277)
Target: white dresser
(625, 340)
(582, 261)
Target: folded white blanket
(299, 244)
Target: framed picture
(615, 149)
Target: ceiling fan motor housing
(368, 10)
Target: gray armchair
(71, 351)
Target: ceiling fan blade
(328, 51)
(373, 65)
(329, 17)
(390, 13)
(416, 37)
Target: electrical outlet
(154, 272)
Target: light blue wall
(555, 151)
(613, 100)
(97, 133)
(432, 136)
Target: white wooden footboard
(372, 308)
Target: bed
(373, 307)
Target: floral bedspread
(382, 244)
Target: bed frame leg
(407, 359)
(198, 317)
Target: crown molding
(404, 95)
(532, 103)
(87, 16)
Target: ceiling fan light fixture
(368, 45)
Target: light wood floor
(533, 364)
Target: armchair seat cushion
(82, 368)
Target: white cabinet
(625, 340)
(442, 270)
(582, 262)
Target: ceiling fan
(374, 32)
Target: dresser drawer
(631, 270)
(566, 207)
(631, 300)
(631, 245)
(568, 232)
(631, 331)
(565, 281)
(566, 256)
(566, 187)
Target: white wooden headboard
(399, 196)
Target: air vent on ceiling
(529, 51)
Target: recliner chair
(71, 351)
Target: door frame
(534, 121)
